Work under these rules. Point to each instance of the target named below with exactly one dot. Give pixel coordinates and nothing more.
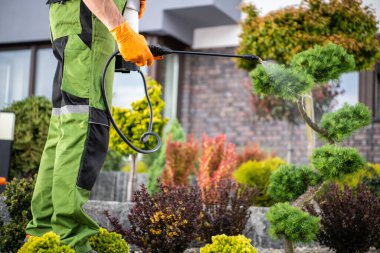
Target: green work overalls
(78, 136)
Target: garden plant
(133, 123)
(309, 69)
(230, 244)
(31, 130)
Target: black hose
(144, 137)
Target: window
(14, 76)
(349, 83)
(46, 65)
(128, 88)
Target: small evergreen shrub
(32, 124)
(251, 152)
(108, 242)
(18, 195)
(341, 124)
(334, 162)
(256, 174)
(280, 81)
(291, 181)
(225, 210)
(324, 63)
(229, 244)
(49, 243)
(165, 222)
(350, 222)
(292, 223)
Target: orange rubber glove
(132, 46)
(3, 181)
(142, 8)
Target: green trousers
(78, 135)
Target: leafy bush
(18, 195)
(251, 153)
(292, 223)
(166, 222)
(372, 180)
(281, 34)
(108, 242)
(342, 123)
(177, 133)
(324, 63)
(49, 242)
(180, 162)
(217, 161)
(334, 162)
(290, 182)
(257, 174)
(350, 221)
(280, 81)
(225, 209)
(229, 244)
(32, 124)
(135, 121)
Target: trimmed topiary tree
(331, 161)
(32, 124)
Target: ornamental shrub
(18, 195)
(281, 34)
(350, 222)
(291, 181)
(334, 162)
(292, 223)
(165, 222)
(324, 63)
(225, 209)
(49, 243)
(256, 174)
(32, 124)
(280, 81)
(177, 133)
(217, 161)
(180, 161)
(108, 242)
(229, 244)
(342, 123)
(251, 152)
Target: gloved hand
(3, 181)
(142, 8)
(132, 46)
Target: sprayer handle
(157, 50)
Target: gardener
(82, 34)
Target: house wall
(216, 98)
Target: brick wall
(216, 98)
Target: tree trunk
(290, 143)
(288, 246)
(131, 179)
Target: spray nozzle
(158, 50)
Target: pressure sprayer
(121, 66)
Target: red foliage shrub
(180, 162)
(217, 162)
